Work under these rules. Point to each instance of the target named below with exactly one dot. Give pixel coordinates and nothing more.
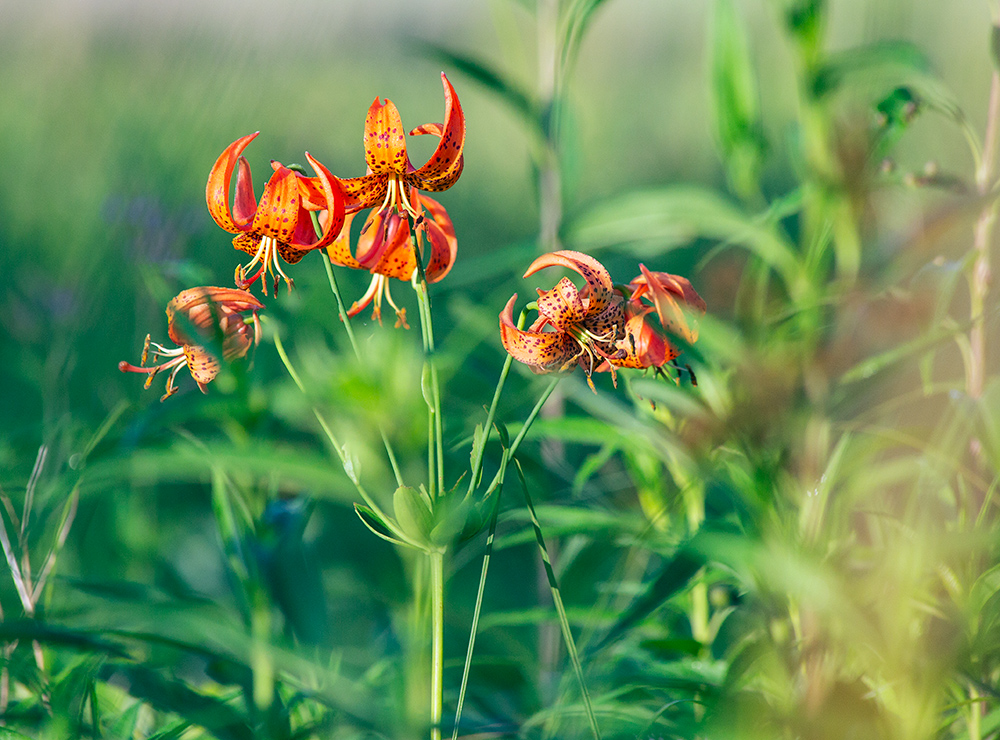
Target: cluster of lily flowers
(406, 234)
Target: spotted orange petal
(339, 250)
(203, 307)
(385, 248)
(203, 366)
(561, 306)
(441, 236)
(445, 164)
(545, 351)
(333, 203)
(217, 190)
(385, 142)
(599, 285)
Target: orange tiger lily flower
(391, 175)
(391, 189)
(596, 327)
(385, 249)
(207, 311)
(280, 224)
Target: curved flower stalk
(391, 189)
(600, 327)
(201, 313)
(279, 225)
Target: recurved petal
(643, 346)
(441, 237)
(204, 307)
(599, 285)
(542, 350)
(384, 246)
(245, 203)
(665, 290)
(445, 165)
(217, 190)
(331, 200)
(385, 143)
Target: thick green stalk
(437, 641)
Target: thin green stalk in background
(477, 610)
(560, 608)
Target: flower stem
(435, 435)
(437, 641)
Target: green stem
(475, 614)
(498, 478)
(437, 641)
(342, 311)
(435, 436)
(477, 463)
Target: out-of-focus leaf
(673, 577)
(868, 367)
(738, 124)
(878, 63)
(575, 20)
(28, 629)
(217, 716)
(657, 220)
(123, 727)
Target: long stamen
(400, 312)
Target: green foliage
(792, 534)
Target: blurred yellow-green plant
(796, 539)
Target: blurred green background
(872, 615)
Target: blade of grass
(560, 608)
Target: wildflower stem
(357, 353)
(437, 641)
(498, 478)
(477, 463)
(435, 435)
(478, 608)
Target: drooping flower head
(279, 225)
(599, 327)
(193, 316)
(391, 189)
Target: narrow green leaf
(378, 526)
(567, 633)
(124, 726)
(739, 129)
